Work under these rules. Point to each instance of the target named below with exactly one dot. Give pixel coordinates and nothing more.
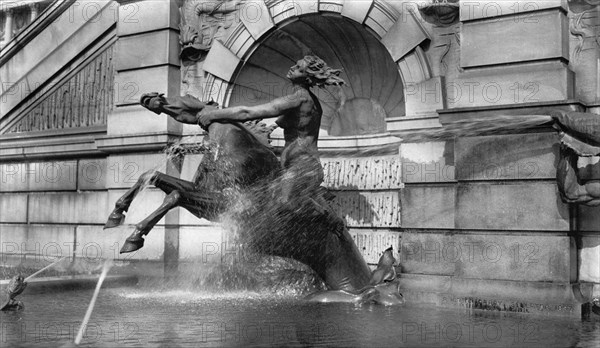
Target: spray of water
(88, 313)
(45, 268)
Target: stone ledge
(496, 295)
(135, 142)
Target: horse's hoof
(132, 243)
(114, 220)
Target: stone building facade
(476, 219)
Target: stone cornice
(78, 143)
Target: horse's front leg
(136, 240)
(117, 217)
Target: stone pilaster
(146, 60)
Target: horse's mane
(261, 131)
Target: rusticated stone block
(149, 49)
(529, 37)
(13, 177)
(134, 119)
(38, 176)
(431, 206)
(95, 244)
(507, 256)
(369, 173)
(507, 157)
(518, 206)
(40, 243)
(372, 243)
(427, 162)
(92, 174)
(514, 84)
(131, 84)
(368, 209)
(143, 16)
(472, 10)
(81, 208)
(425, 97)
(13, 207)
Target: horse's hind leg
(136, 241)
(117, 217)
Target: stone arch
(399, 33)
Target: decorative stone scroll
(368, 209)
(84, 100)
(363, 173)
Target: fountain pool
(157, 317)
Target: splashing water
(45, 268)
(482, 126)
(88, 313)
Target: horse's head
(153, 101)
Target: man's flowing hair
(320, 74)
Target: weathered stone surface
(372, 243)
(204, 245)
(589, 269)
(381, 17)
(134, 119)
(518, 206)
(406, 34)
(221, 62)
(13, 207)
(425, 97)
(93, 174)
(507, 157)
(131, 84)
(83, 99)
(362, 173)
(519, 257)
(56, 46)
(497, 295)
(543, 35)
(256, 18)
(52, 176)
(143, 16)
(428, 162)
(331, 5)
(13, 177)
(148, 49)
(471, 10)
(357, 10)
(368, 209)
(125, 170)
(518, 83)
(94, 244)
(41, 243)
(81, 208)
(431, 206)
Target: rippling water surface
(157, 318)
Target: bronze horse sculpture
(236, 160)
